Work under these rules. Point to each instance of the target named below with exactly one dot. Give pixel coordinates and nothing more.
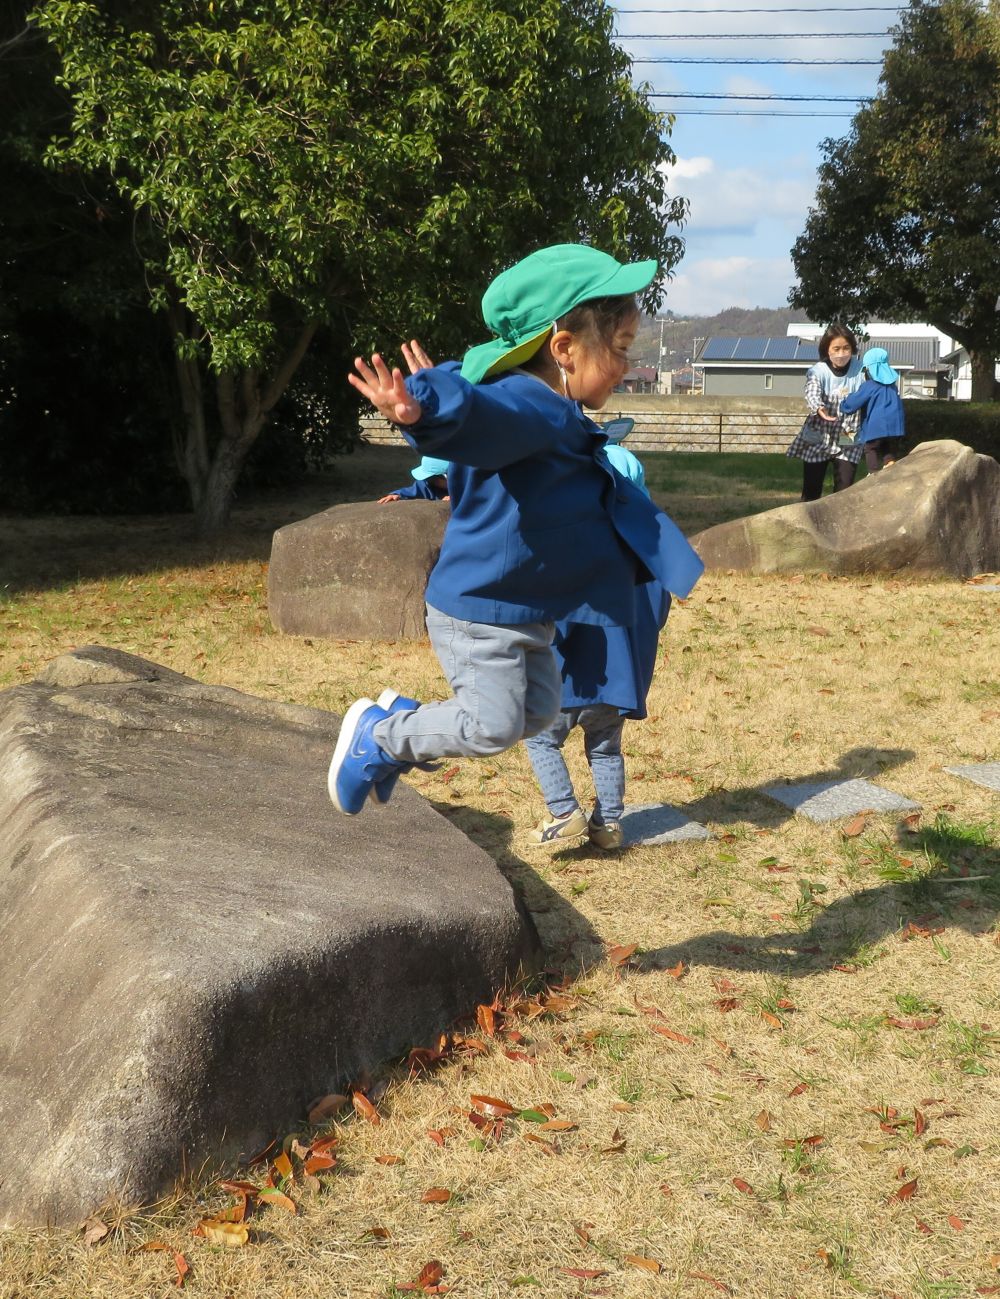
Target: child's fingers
(365, 370)
(385, 379)
(423, 360)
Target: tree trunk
(244, 403)
(984, 386)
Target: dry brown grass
(749, 690)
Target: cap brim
(489, 359)
(631, 278)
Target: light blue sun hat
(876, 362)
(430, 468)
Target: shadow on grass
(570, 943)
(959, 890)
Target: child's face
(840, 353)
(600, 365)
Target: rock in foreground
(937, 510)
(194, 945)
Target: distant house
(761, 367)
(960, 374)
(684, 381)
(641, 379)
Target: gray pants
(506, 686)
(602, 727)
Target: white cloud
(709, 285)
(739, 198)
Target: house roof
(644, 372)
(904, 353)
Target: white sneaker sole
(344, 740)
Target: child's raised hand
(386, 391)
(415, 357)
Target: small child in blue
(541, 526)
(883, 423)
(606, 675)
(430, 483)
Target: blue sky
(750, 180)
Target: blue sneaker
(357, 761)
(391, 701)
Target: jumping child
(827, 435)
(540, 527)
(883, 423)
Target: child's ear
(561, 347)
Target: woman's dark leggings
(814, 474)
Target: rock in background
(937, 510)
(193, 944)
(356, 572)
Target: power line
(741, 112)
(798, 63)
(797, 99)
(744, 36)
(832, 9)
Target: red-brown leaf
(763, 1121)
(677, 971)
(671, 1034)
(744, 1188)
(319, 1163)
(180, 1262)
(493, 1107)
(389, 1159)
(620, 953)
(584, 1273)
(923, 1228)
(798, 1089)
(905, 1192)
(712, 1280)
(857, 825)
(436, 1195)
(955, 1222)
(773, 1020)
(431, 1273)
(920, 1025)
(647, 1264)
(365, 1108)
(919, 1123)
(486, 1019)
(326, 1107)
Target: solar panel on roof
(780, 349)
(718, 349)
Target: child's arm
(859, 399)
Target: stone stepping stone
(651, 823)
(829, 800)
(986, 774)
(985, 586)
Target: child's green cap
(522, 304)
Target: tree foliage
(906, 223)
(364, 167)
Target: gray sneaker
(558, 829)
(607, 836)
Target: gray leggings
(602, 727)
(506, 686)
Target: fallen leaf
(379, 1232)
(436, 1195)
(364, 1108)
(620, 953)
(492, 1107)
(956, 1222)
(558, 1125)
(283, 1165)
(647, 1264)
(584, 1273)
(905, 1192)
(922, 1227)
(582, 1230)
(712, 1280)
(450, 774)
(318, 1163)
(326, 1107)
(180, 1262)
(798, 1089)
(920, 1025)
(671, 1034)
(677, 971)
(857, 825)
(231, 1234)
(773, 1020)
(763, 1121)
(95, 1230)
(486, 1019)
(743, 1187)
(431, 1273)
(269, 1195)
(919, 1123)
(389, 1159)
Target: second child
(826, 437)
(883, 423)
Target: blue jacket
(541, 525)
(881, 411)
(420, 490)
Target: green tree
(365, 166)
(906, 223)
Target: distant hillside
(681, 335)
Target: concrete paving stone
(659, 823)
(986, 774)
(985, 586)
(831, 799)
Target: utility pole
(659, 359)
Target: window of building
(768, 380)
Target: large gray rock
(356, 572)
(193, 944)
(937, 510)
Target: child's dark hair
(834, 332)
(600, 318)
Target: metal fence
(666, 430)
